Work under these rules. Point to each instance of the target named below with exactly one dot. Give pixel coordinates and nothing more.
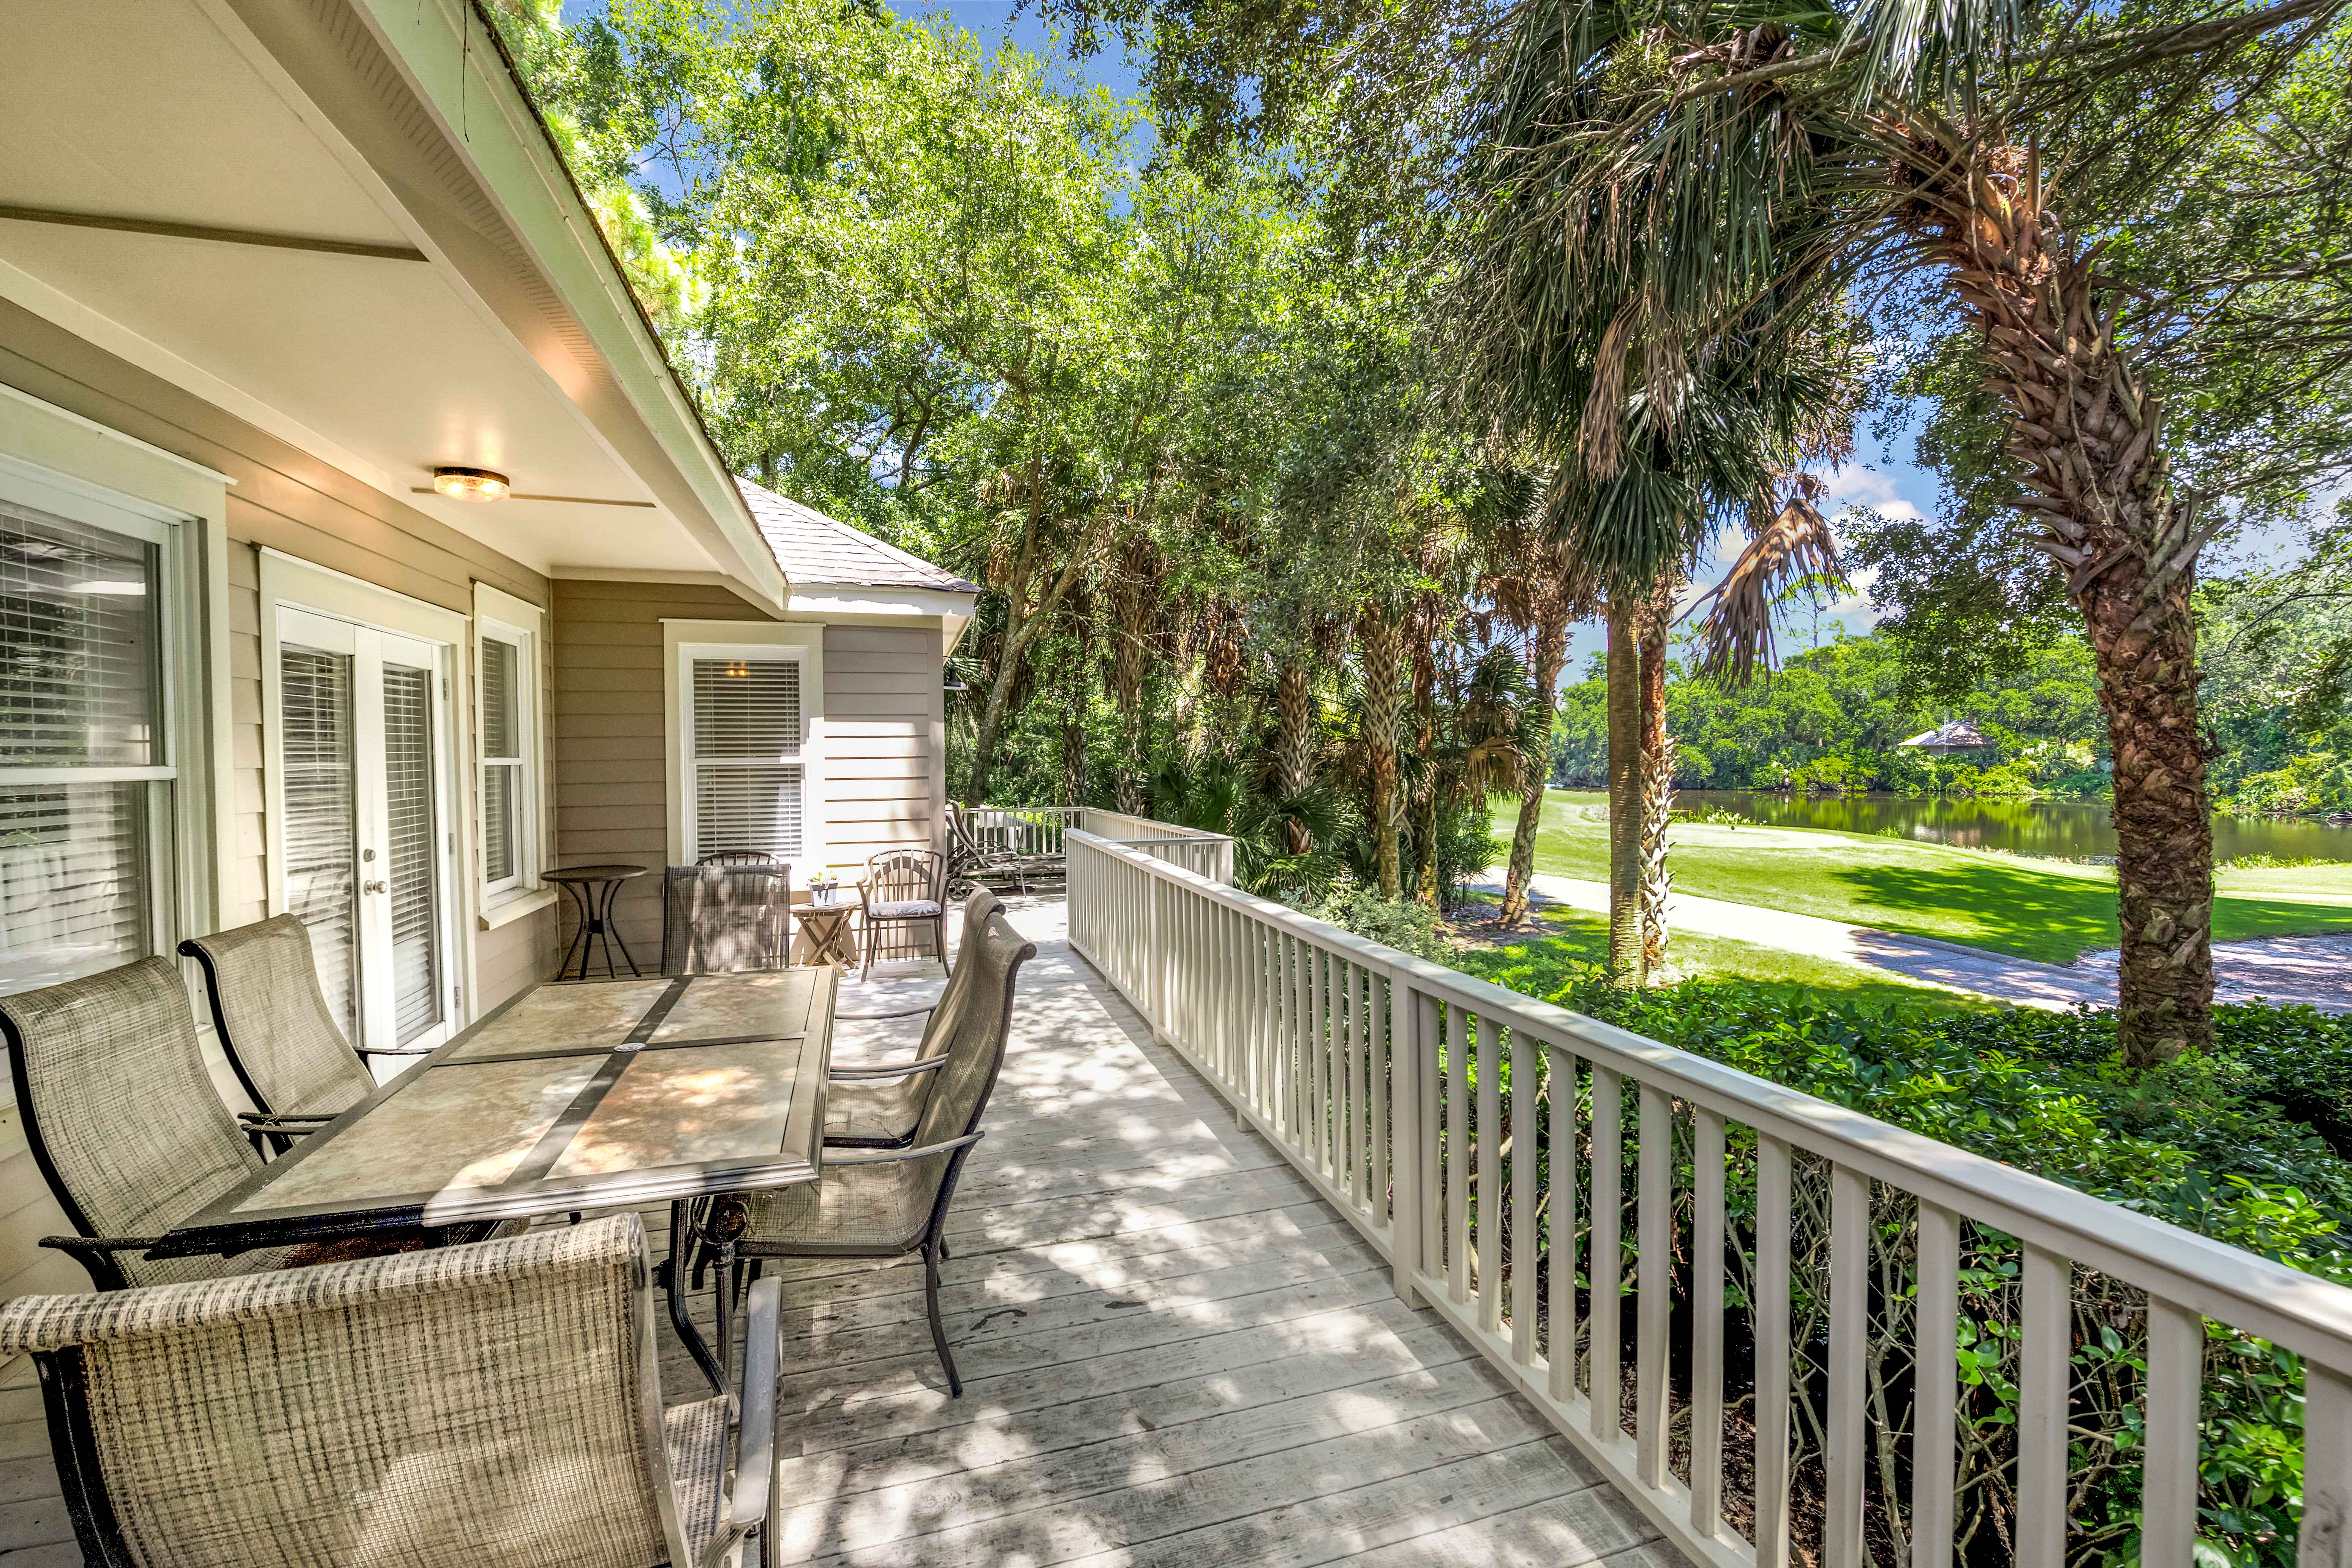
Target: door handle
(373, 887)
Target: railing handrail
(2307, 1314)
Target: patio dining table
(575, 1094)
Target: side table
(828, 932)
(592, 890)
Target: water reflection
(2064, 829)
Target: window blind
(73, 881)
(320, 833)
(501, 758)
(79, 645)
(747, 755)
(412, 835)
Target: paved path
(2317, 970)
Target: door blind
(409, 845)
(747, 755)
(321, 827)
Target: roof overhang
(342, 221)
(954, 610)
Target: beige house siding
(885, 756)
(287, 501)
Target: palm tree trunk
(1657, 779)
(1294, 750)
(1550, 653)
(1380, 643)
(1624, 795)
(1424, 823)
(2088, 439)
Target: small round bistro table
(593, 889)
(828, 932)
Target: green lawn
(2034, 909)
(1574, 936)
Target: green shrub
(1401, 923)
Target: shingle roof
(813, 548)
(1959, 735)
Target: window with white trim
(85, 770)
(747, 785)
(508, 754)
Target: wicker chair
(726, 918)
(877, 1106)
(281, 1040)
(497, 1403)
(886, 1203)
(124, 1120)
(904, 887)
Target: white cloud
(1857, 487)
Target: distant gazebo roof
(1956, 736)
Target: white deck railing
(1388, 1081)
(1041, 829)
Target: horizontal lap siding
(885, 763)
(287, 501)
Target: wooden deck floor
(1172, 1353)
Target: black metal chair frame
(935, 882)
(932, 1243)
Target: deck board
(1173, 1353)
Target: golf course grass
(2042, 910)
(1574, 936)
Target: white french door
(366, 833)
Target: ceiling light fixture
(470, 484)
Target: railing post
(1405, 1048)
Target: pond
(2069, 829)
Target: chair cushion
(880, 1108)
(695, 1438)
(910, 910)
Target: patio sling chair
(281, 1042)
(497, 1403)
(124, 1120)
(886, 1203)
(877, 1106)
(730, 918)
(976, 864)
(904, 887)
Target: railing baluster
(1560, 1144)
(1431, 1200)
(1771, 1330)
(1381, 993)
(1603, 1267)
(1937, 1332)
(1706, 1322)
(1849, 1328)
(1490, 1136)
(1319, 1059)
(2176, 1375)
(1354, 1143)
(1399, 1023)
(1652, 1251)
(1457, 1155)
(2327, 1538)
(2046, 1330)
(1525, 1052)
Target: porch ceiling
(302, 121)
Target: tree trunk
(1074, 735)
(1380, 643)
(1424, 820)
(1624, 795)
(2089, 442)
(1550, 653)
(1657, 779)
(1294, 747)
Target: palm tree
(1699, 165)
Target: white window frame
(684, 642)
(501, 618)
(107, 480)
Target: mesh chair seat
(856, 1210)
(272, 1017)
(489, 1403)
(726, 918)
(122, 1116)
(882, 1111)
